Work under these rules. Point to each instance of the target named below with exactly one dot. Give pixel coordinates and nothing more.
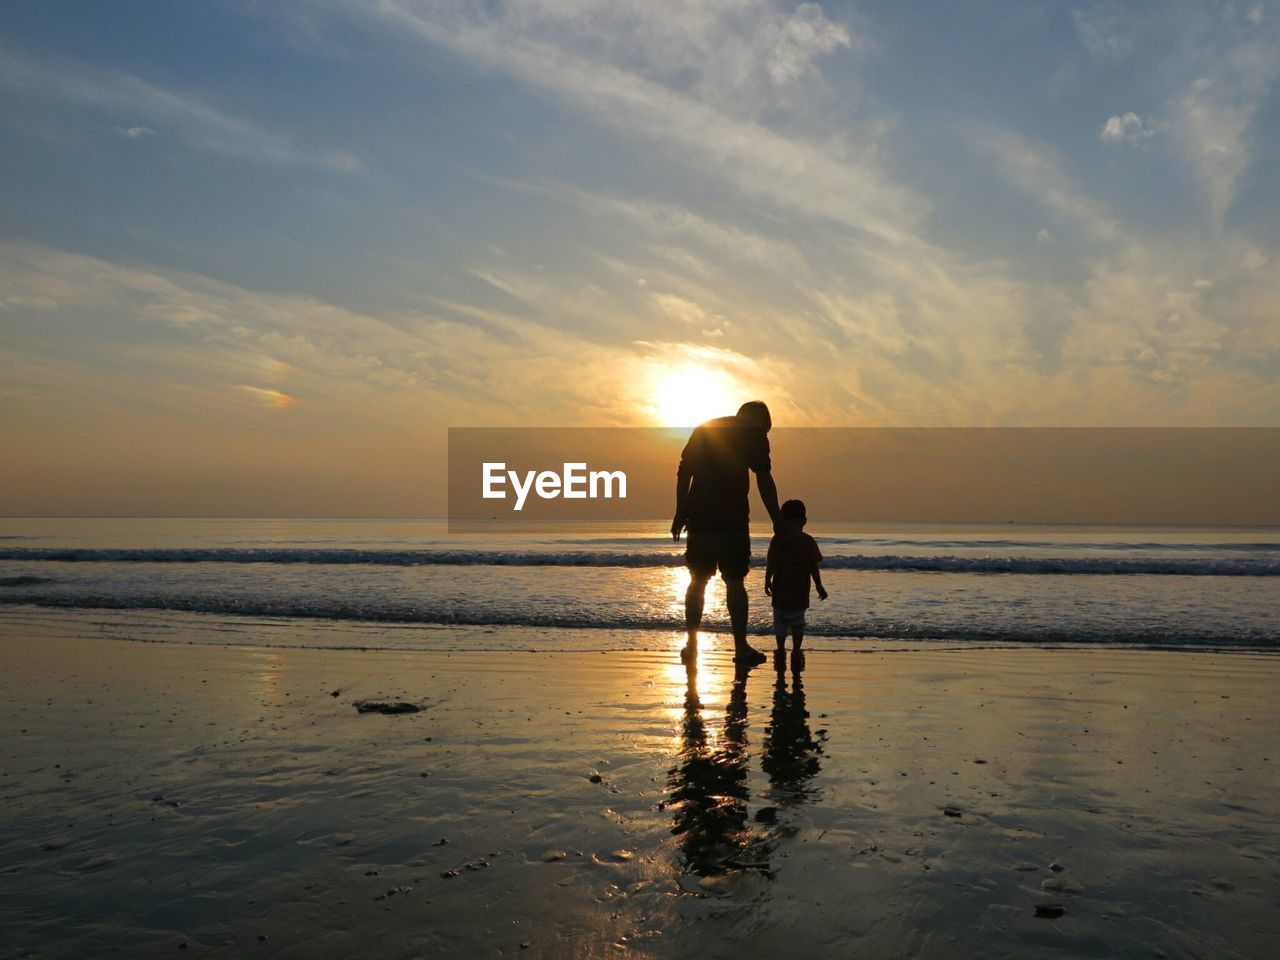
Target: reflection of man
(712, 488)
(708, 787)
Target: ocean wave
(1212, 566)
(25, 580)
(1107, 546)
(280, 611)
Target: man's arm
(768, 494)
(684, 477)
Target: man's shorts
(708, 551)
(785, 620)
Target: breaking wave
(1197, 566)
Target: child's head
(794, 514)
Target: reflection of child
(793, 560)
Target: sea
(601, 586)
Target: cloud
(1126, 128)
(1234, 65)
(682, 310)
(665, 75)
(1039, 171)
(277, 399)
(1214, 119)
(670, 226)
(1104, 29)
(463, 363)
(196, 123)
(807, 34)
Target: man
(712, 488)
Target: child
(793, 560)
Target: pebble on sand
(1050, 911)
(386, 706)
(616, 856)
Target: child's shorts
(785, 620)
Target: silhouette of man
(712, 489)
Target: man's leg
(693, 600)
(700, 559)
(736, 596)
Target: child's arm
(770, 568)
(817, 574)
(817, 582)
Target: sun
(690, 393)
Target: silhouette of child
(792, 561)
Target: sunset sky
(255, 258)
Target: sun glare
(686, 395)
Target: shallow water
(995, 583)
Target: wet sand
(165, 800)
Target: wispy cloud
(1126, 128)
(167, 113)
(642, 91)
(1105, 29)
(1214, 117)
(1039, 171)
(277, 399)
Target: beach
(933, 801)
(422, 416)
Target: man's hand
(677, 525)
(822, 593)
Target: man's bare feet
(748, 655)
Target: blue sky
(251, 247)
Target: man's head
(755, 413)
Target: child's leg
(780, 631)
(797, 636)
